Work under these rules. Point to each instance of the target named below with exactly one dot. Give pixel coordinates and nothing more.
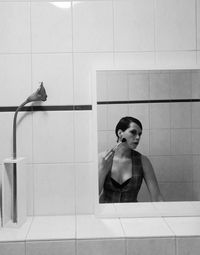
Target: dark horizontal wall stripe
(149, 101)
(47, 108)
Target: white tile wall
(175, 25)
(14, 248)
(92, 26)
(60, 43)
(84, 188)
(91, 227)
(133, 32)
(15, 78)
(145, 227)
(141, 112)
(138, 87)
(15, 27)
(54, 189)
(52, 228)
(133, 58)
(117, 86)
(53, 137)
(55, 70)
(188, 245)
(151, 246)
(51, 27)
(198, 24)
(159, 85)
(83, 151)
(159, 116)
(174, 59)
(84, 63)
(51, 248)
(100, 246)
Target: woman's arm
(104, 165)
(150, 180)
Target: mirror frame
(140, 209)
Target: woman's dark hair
(125, 122)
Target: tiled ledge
(86, 234)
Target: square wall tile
(55, 70)
(15, 78)
(134, 59)
(101, 117)
(198, 24)
(188, 245)
(53, 137)
(181, 84)
(196, 191)
(177, 191)
(91, 227)
(101, 85)
(54, 189)
(115, 113)
(159, 142)
(159, 85)
(145, 227)
(52, 228)
(6, 135)
(50, 248)
(138, 86)
(181, 141)
(195, 115)
(83, 136)
(24, 135)
(85, 188)
(184, 226)
(181, 115)
(175, 25)
(84, 64)
(181, 168)
(198, 56)
(141, 112)
(150, 246)
(176, 59)
(196, 83)
(196, 168)
(134, 25)
(15, 27)
(196, 141)
(173, 168)
(101, 247)
(102, 141)
(30, 189)
(92, 26)
(117, 86)
(51, 26)
(12, 248)
(143, 146)
(162, 168)
(159, 115)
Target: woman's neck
(123, 151)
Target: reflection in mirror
(148, 135)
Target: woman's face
(132, 135)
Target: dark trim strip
(47, 108)
(149, 101)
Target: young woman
(122, 169)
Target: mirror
(167, 103)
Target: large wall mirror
(167, 104)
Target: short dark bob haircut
(125, 122)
